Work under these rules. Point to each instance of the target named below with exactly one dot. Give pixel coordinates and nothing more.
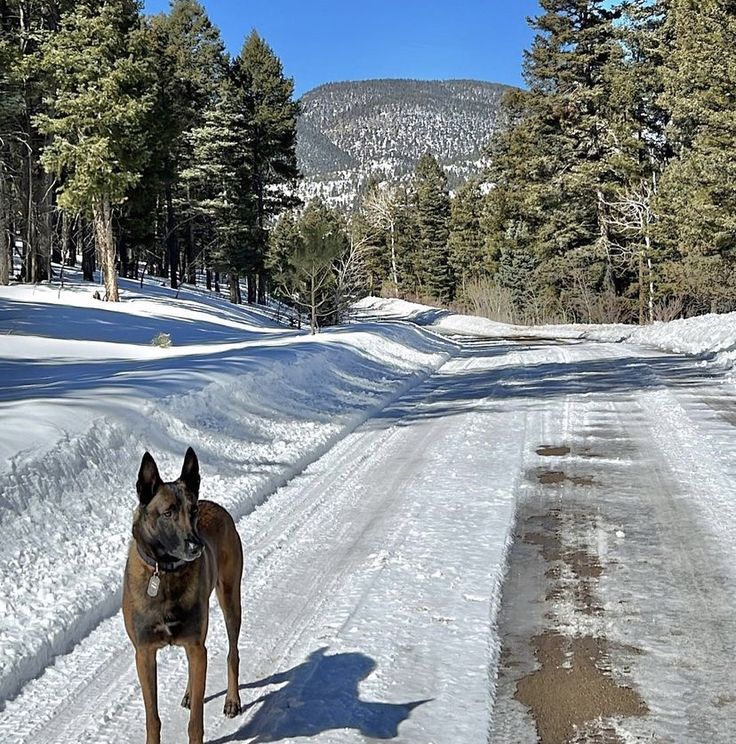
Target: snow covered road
(379, 566)
(600, 474)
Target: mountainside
(350, 131)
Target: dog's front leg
(197, 656)
(145, 662)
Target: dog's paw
(185, 702)
(232, 708)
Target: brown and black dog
(182, 549)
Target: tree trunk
(124, 258)
(6, 249)
(191, 255)
(172, 242)
(89, 262)
(313, 303)
(394, 269)
(102, 212)
(45, 232)
(262, 288)
(29, 263)
(235, 296)
(64, 242)
(251, 280)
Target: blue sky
(330, 40)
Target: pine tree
(10, 108)
(433, 214)
(285, 240)
(98, 150)
(218, 180)
(312, 274)
(466, 242)
(409, 247)
(555, 162)
(697, 197)
(272, 147)
(24, 27)
(638, 121)
(188, 61)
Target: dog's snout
(194, 546)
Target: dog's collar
(158, 565)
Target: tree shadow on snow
(319, 695)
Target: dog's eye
(167, 513)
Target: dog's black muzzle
(194, 548)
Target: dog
(182, 549)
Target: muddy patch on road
(555, 477)
(563, 672)
(562, 450)
(570, 692)
(548, 450)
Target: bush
(162, 340)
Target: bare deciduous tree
(381, 209)
(632, 216)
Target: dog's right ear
(148, 479)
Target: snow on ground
(83, 393)
(375, 473)
(703, 335)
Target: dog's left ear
(190, 472)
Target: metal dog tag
(153, 585)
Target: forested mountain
(351, 131)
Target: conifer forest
(135, 145)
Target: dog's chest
(166, 620)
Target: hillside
(350, 131)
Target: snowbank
(704, 335)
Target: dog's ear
(190, 472)
(148, 479)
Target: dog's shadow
(319, 695)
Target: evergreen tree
(466, 243)
(285, 241)
(697, 198)
(189, 63)
(556, 160)
(218, 180)
(10, 108)
(272, 145)
(24, 27)
(98, 150)
(433, 215)
(408, 243)
(312, 274)
(638, 121)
